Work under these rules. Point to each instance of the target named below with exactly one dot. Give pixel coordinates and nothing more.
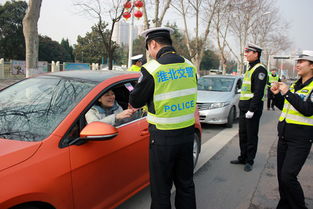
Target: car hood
(213, 96)
(13, 152)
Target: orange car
(51, 158)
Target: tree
(139, 46)
(92, 48)
(99, 10)
(30, 31)
(210, 60)
(12, 45)
(222, 25)
(50, 50)
(256, 21)
(160, 7)
(69, 49)
(179, 41)
(201, 12)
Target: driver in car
(107, 110)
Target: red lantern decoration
(126, 15)
(127, 5)
(138, 4)
(138, 14)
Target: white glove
(249, 114)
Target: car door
(104, 173)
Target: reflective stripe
(288, 107)
(283, 115)
(246, 82)
(174, 94)
(247, 95)
(298, 118)
(152, 66)
(173, 120)
(187, 61)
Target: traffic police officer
(137, 62)
(168, 87)
(295, 131)
(251, 106)
(272, 78)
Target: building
(121, 32)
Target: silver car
(218, 97)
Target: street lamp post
(131, 5)
(130, 41)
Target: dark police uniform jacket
(304, 107)
(258, 83)
(143, 95)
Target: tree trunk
(110, 56)
(30, 31)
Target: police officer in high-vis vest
(295, 131)
(251, 106)
(272, 78)
(137, 62)
(168, 87)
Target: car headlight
(214, 105)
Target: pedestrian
(283, 78)
(251, 106)
(295, 131)
(272, 78)
(137, 62)
(168, 87)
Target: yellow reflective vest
(293, 116)
(134, 68)
(272, 79)
(246, 92)
(174, 96)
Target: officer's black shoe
(248, 167)
(237, 162)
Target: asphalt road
(221, 185)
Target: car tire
(231, 117)
(196, 149)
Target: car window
(238, 85)
(31, 109)
(116, 100)
(222, 84)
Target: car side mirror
(95, 131)
(98, 131)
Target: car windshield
(215, 84)
(31, 109)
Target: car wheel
(231, 117)
(196, 149)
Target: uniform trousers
(291, 155)
(248, 136)
(270, 99)
(172, 163)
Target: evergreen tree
(12, 43)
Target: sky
(60, 19)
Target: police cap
(306, 55)
(137, 57)
(152, 33)
(253, 47)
